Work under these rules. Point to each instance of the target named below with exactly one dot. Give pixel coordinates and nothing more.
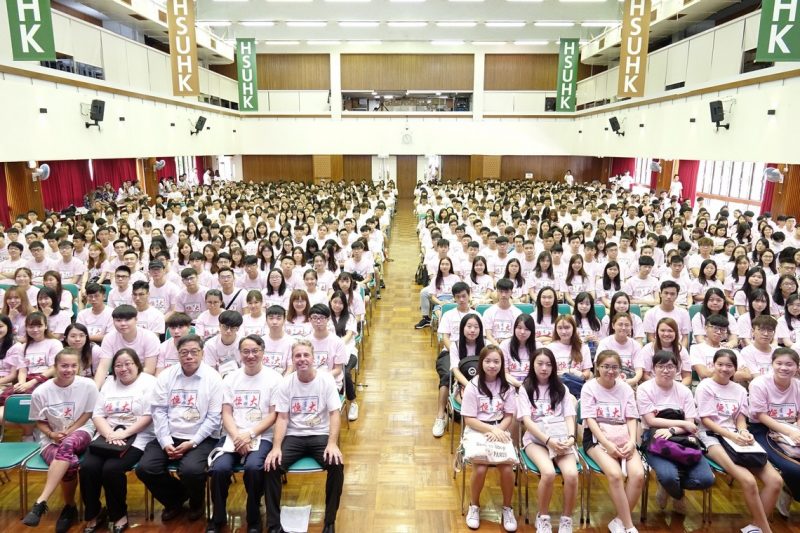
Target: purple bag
(684, 454)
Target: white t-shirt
(500, 322)
(61, 406)
(309, 404)
(277, 353)
(251, 397)
(151, 319)
(123, 405)
(145, 345)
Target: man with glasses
(248, 416)
(756, 358)
(148, 317)
(307, 404)
(702, 355)
(192, 298)
(233, 298)
(126, 335)
(329, 351)
(222, 349)
(186, 410)
(120, 293)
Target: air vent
(673, 86)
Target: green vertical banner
(31, 26)
(778, 31)
(567, 75)
(248, 78)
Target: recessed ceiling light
(451, 42)
(457, 24)
(488, 43)
(323, 43)
(281, 43)
(214, 23)
(257, 23)
(306, 23)
(359, 23)
(505, 23)
(407, 24)
(554, 24)
(599, 23)
(530, 43)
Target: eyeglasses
(610, 368)
(229, 328)
(718, 329)
(666, 368)
(254, 351)
(318, 318)
(194, 353)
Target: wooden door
(406, 175)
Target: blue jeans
(676, 478)
(221, 472)
(789, 468)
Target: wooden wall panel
(406, 175)
(357, 168)
(407, 71)
(527, 72)
(337, 167)
(322, 166)
(475, 167)
(455, 167)
(549, 168)
(261, 168)
(786, 199)
(491, 167)
(281, 72)
(22, 193)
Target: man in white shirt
(308, 424)
(187, 406)
(97, 316)
(71, 268)
(126, 335)
(39, 264)
(248, 416)
(669, 293)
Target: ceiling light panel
(505, 24)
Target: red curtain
(619, 165)
(769, 193)
(114, 171)
(200, 167)
(687, 169)
(170, 171)
(69, 182)
(5, 216)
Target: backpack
(422, 277)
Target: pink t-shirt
(38, 357)
(145, 345)
(564, 361)
(96, 324)
(629, 353)
(703, 355)
(721, 403)
(278, 353)
(328, 353)
(517, 369)
(500, 322)
(651, 398)
(541, 407)
(163, 298)
(681, 316)
(757, 362)
(207, 324)
(766, 397)
(298, 329)
(647, 352)
(783, 331)
(613, 406)
(638, 326)
(477, 405)
(167, 354)
(254, 326)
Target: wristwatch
(672, 431)
(252, 436)
(194, 445)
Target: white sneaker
(616, 526)
(784, 503)
(352, 412)
(631, 530)
(750, 528)
(679, 506)
(543, 524)
(661, 496)
(565, 525)
(509, 520)
(473, 516)
(439, 426)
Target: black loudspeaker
(201, 123)
(550, 103)
(614, 124)
(717, 112)
(98, 110)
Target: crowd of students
(218, 325)
(664, 326)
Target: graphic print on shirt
(541, 407)
(501, 329)
(320, 359)
(783, 412)
(727, 409)
(610, 412)
(491, 406)
(36, 361)
(305, 409)
(274, 360)
(60, 416)
(185, 400)
(121, 407)
(247, 407)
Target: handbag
(752, 456)
(102, 448)
(684, 450)
(784, 446)
(422, 277)
(477, 449)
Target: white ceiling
(330, 14)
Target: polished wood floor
(398, 477)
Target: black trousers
(293, 449)
(172, 492)
(221, 472)
(349, 386)
(100, 473)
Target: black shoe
(35, 515)
(329, 528)
(278, 529)
(67, 518)
(171, 514)
(254, 529)
(424, 323)
(100, 521)
(120, 529)
(214, 527)
(195, 513)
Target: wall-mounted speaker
(97, 111)
(550, 103)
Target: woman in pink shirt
(775, 410)
(488, 407)
(298, 316)
(621, 303)
(546, 313)
(518, 349)
(627, 349)
(668, 337)
(610, 414)
(722, 408)
(573, 360)
(545, 407)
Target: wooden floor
(398, 477)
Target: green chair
(481, 308)
(74, 290)
(600, 311)
(694, 309)
(13, 455)
(636, 310)
(564, 309)
(435, 321)
(525, 308)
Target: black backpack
(422, 277)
